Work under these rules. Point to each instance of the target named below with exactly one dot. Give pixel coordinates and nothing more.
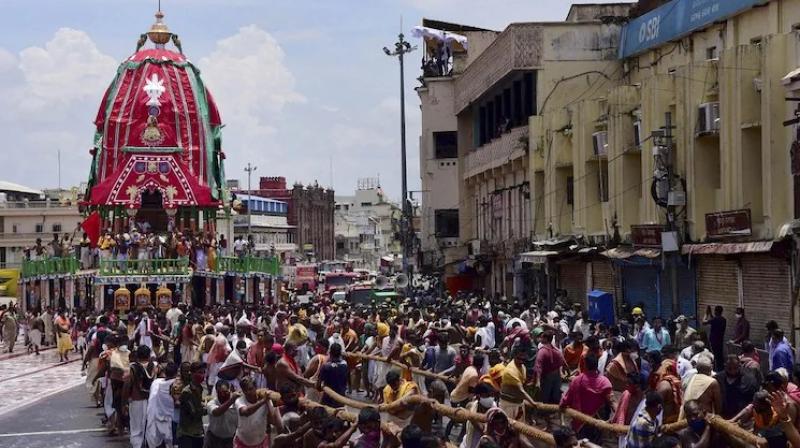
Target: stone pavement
(28, 378)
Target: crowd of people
(158, 375)
(202, 249)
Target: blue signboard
(676, 19)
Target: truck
(339, 281)
(305, 277)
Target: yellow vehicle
(8, 282)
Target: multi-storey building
(309, 213)
(440, 200)
(367, 226)
(676, 165)
(267, 223)
(27, 214)
(511, 81)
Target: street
(45, 403)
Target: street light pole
(249, 170)
(401, 47)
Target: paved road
(64, 420)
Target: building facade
(507, 85)
(439, 241)
(268, 225)
(645, 150)
(367, 226)
(309, 215)
(27, 214)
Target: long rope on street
(460, 414)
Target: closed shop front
(766, 287)
(572, 279)
(648, 284)
(603, 277)
(717, 284)
(640, 288)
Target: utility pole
(668, 197)
(401, 47)
(672, 225)
(249, 170)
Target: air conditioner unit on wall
(708, 118)
(600, 141)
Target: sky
(304, 89)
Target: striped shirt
(643, 430)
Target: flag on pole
(91, 225)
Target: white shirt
(173, 315)
(160, 405)
(583, 327)
(225, 425)
(487, 336)
(144, 332)
(252, 429)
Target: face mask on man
(486, 402)
(698, 426)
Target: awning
(753, 247)
(537, 256)
(439, 35)
(791, 77)
(620, 253)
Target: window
(530, 94)
(366, 204)
(603, 183)
(712, 54)
(57, 228)
(482, 130)
(445, 145)
(340, 245)
(446, 223)
(39, 228)
(518, 118)
(570, 191)
(14, 228)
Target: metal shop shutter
(603, 277)
(572, 278)
(687, 298)
(717, 284)
(766, 284)
(640, 287)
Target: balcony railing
(509, 146)
(177, 266)
(518, 47)
(49, 266)
(38, 204)
(269, 265)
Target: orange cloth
(573, 355)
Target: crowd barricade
(462, 415)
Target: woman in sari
(64, 338)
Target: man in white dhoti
(160, 407)
(144, 331)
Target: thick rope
(399, 364)
(457, 414)
(716, 421)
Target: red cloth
(548, 359)
(91, 225)
(587, 393)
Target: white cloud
(252, 85)
(246, 73)
(68, 68)
(50, 94)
